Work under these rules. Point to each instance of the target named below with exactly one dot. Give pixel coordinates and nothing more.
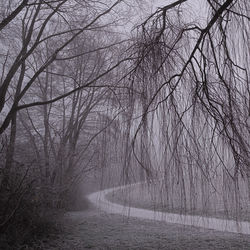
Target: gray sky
(194, 9)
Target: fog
(119, 109)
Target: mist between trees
(168, 103)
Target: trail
(107, 226)
(232, 226)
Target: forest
(98, 94)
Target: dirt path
(93, 229)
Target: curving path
(100, 201)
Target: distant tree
(70, 125)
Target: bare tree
(58, 79)
(43, 22)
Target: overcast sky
(194, 9)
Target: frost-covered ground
(93, 229)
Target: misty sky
(196, 9)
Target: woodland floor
(92, 229)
